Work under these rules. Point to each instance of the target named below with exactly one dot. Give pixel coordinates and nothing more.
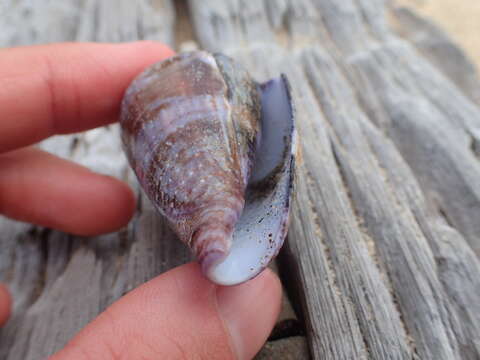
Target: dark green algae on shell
(192, 131)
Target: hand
(65, 88)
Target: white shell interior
(261, 229)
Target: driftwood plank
(437, 46)
(401, 303)
(382, 260)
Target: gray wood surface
(382, 259)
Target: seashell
(214, 152)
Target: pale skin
(67, 88)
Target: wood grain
(382, 259)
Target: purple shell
(214, 152)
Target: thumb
(181, 315)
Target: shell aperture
(213, 151)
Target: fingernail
(249, 312)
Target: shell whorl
(190, 129)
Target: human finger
(43, 189)
(67, 87)
(181, 315)
(5, 304)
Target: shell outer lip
(261, 193)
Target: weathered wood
(382, 256)
(437, 46)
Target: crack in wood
(184, 33)
(475, 145)
(320, 235)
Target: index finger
(64, 88)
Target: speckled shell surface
(214, 152)
(191, 140)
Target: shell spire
(191, 128)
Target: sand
(459, 18)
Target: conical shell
(191, 128)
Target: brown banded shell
(213, 150)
